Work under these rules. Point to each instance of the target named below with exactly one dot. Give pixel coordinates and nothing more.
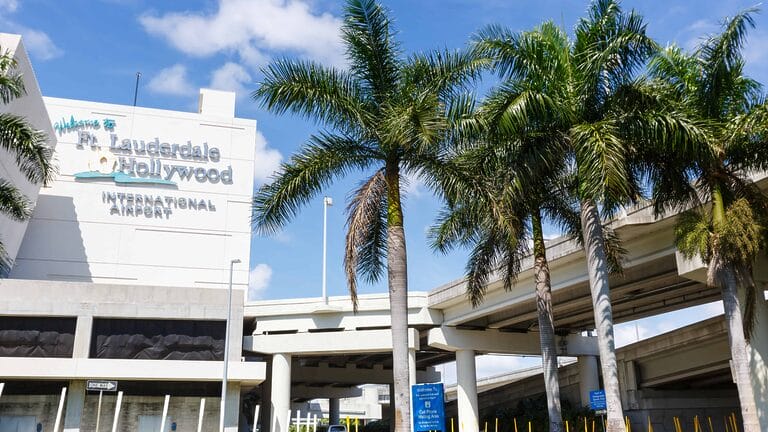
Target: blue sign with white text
(428, 407)
(597, 400)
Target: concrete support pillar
(411, 376)
(333, 411)
(232, 407)
(411, 367)
(82, 342)
(466, 396)
(588, 377)
(73, 412)
(757, 350)
(266, 398)
(391, 411)
(281, 392)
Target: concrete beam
(325, 392)
(494, 341)
(156, 370)
(341, 342)
(354, 376)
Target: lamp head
(328, 201)
(235, 261)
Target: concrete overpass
(683, 373)
(310, 343)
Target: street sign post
(428, 407)
(597, 403)
(100, 386)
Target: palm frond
(372, 50)
(610, 45)
(5, 261)
(13, 203)
(11, 82)
(721, 55)
(443, 72)
(29, 145)
(601, 161)
(323, 159)
(366, 243)
(323, 94)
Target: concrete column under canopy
(232, 407)
(588, 377)
(281, 392)
(333, 411)
(73, 412)
(466, 397)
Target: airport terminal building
(121, 276)
(122, 272)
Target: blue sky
(92, 49)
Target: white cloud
(258, 280)
(37, 42)
(693, 35)
(9, 6)
(252, 29)
(230, 77)
(172, 81)
(412, 185)
(266, 161)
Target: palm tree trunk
(546, 325)
(722, 274)
(739, 360)
(397, 269)
(597, 268)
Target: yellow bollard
(529, 426)
(586, 429)
(357, 422)
(515, 420)
(627, 425)
(709, 420)
(735, 425)
(650, 425)
(451, 424)
(485, 429)
(566, 427)
(593, 426)
(497, 425)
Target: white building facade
(144, 196)
(33, 109)
(122, 272)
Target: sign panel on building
(428, 407)
(597, 400)
(101, 385)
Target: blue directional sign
(597, 400)
(428, 407)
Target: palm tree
(27, 144)
(583, 89)
(499, 191)
(731, 113)
(387, 117)
(493, 209)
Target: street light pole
(327, 202)
(226, 346)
